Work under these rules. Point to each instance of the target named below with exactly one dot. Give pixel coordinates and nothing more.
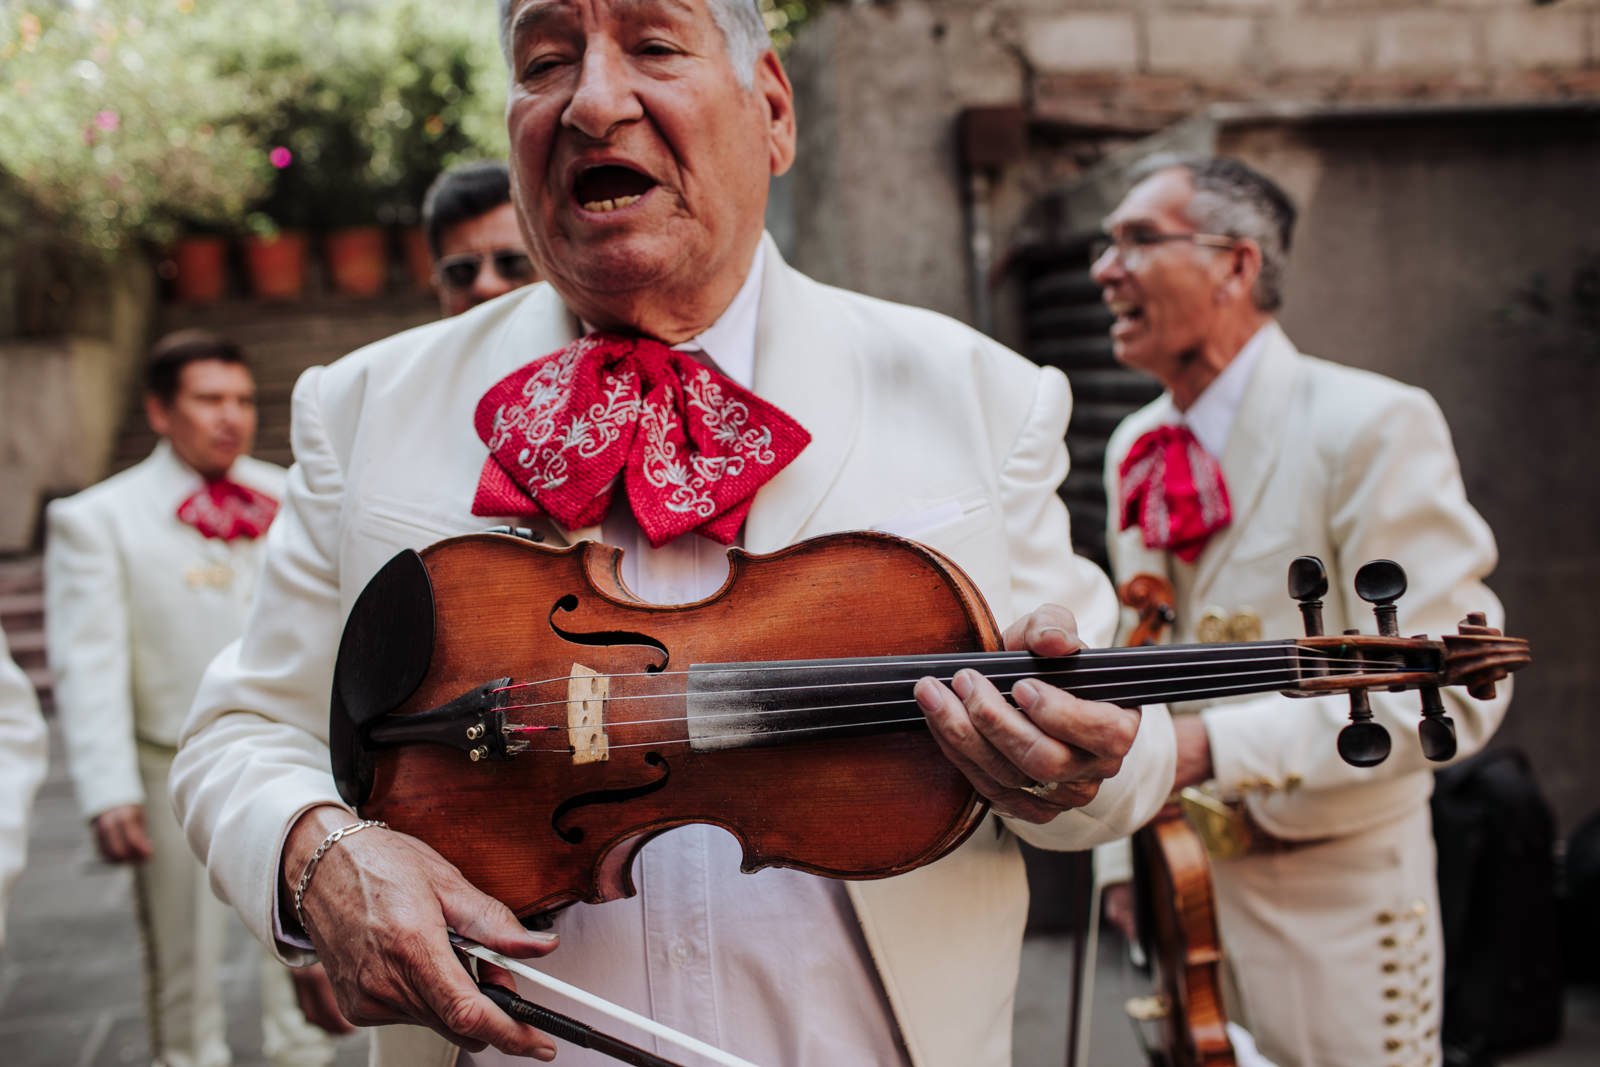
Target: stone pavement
(70, 990)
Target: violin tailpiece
(587, 690)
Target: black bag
(1497, 899)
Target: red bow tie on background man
(691, 445)
(1173, 490)
(227, 510)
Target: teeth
(603, 206)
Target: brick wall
(878, 198)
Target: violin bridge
(587, 690)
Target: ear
(1244, 267)
(777, 94)
(155, 413)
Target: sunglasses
(460, 271)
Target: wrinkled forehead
(530, 17)
(1157, 202)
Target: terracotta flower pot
(277, 265)
(200, 261)
(357, 260)
(419, 261)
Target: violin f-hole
(601, 638)
(573, 835)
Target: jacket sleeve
(1394, 492)
(254, 753)
(87, 633)
(1045, 569)
(23, 746)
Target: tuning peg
(1308, 583)
(1363, 743)
(1436, 731)
(1380, 583)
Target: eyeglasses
(460, 271)
(1133, 246)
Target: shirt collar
(1211, 416)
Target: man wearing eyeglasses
(1254, 455)
(473, 236)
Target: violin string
(965, 660)
(752, 714)
(567, 750)
(1081, 683)
(1077, 689)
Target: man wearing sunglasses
(1327, 901)
(473, 237)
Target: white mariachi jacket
(137, 603)
(1349, 466)
(23, 749)
(919, 424)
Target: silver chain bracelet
(322, 850)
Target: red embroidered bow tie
(227, 510)
(1173, 490)
(690, 445)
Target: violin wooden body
(1174, 894)
(520, 710)
(1178, 924)
(542, 830)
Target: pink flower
(107, 120)
(280, 157)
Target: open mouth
(610, 187)
(1128, 315)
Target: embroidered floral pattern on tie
(690, 445)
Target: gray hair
(1235, 200)
(744, 34)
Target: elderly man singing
(644, 134)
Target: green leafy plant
(118, 126)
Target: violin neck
(746, 705)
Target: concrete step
(22, 613)
(27, 647)
(24, 574)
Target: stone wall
(881, 202)
(62, 396)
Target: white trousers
(183, 929)
(1335, 952)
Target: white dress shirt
(1210, 417)
(770, 966)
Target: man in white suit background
(24, 746)
(1254, 455)
(147, 575)
(644, 135)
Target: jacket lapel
(1254, 444)
(807, 365)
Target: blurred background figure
(147, 576)
(472, 233)
(23, 749)
(1326, 894)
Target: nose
(488, 284)
(603, 98)
(1106, 269)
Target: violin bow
(580, 1034)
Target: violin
(518, 709)
(1175, 899)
